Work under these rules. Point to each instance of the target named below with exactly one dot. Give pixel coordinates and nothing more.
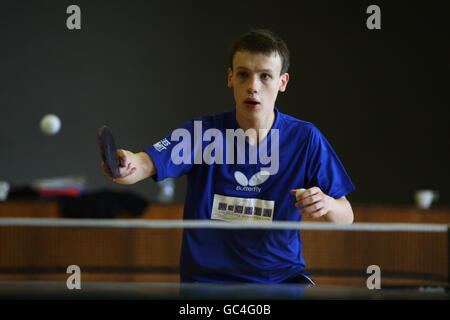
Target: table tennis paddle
(108, 151)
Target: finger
(313, 191)
(123, 172)
(122, 157)
(306, 195)
(126, 171)
(130, 169)
(294, 193)
(106, 171)
(121, 153)
(303, 201)
(313, 208)
(308, 192)
(315, 215)
(310, 200)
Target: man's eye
(242, 74)
(265, 76)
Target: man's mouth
(251, 103)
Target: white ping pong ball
(299, 192)
(50, 124)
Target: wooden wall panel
(112, 254)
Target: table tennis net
(148, 250)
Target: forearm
(340, 211)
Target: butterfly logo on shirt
(250, 185)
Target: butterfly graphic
(257, 179)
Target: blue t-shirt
(237, 191)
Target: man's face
(256, 80)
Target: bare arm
(134, 167)
(341, 211)
(317, 204)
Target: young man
(222, 186)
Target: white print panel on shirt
(242, 209)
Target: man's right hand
(134, 167)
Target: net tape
(217, 224)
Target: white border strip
(215, 224)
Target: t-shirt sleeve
(324, 168)
(173, 155)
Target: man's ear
(230, 75)
(284, 79)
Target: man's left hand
(315, 203)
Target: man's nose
(253, 85)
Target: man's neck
(261, 126)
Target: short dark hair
(261, 41)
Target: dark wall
(145, 67)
